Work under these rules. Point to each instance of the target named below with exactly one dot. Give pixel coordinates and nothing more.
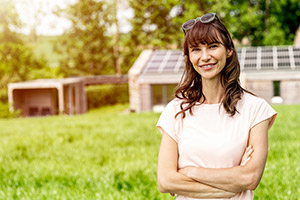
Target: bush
(3, 95)
(102, 95)
(4, 111)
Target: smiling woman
(214, 133)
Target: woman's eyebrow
(193, 45)
(213, 43)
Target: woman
(214, 133)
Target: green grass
(106, 154)
(281, 179)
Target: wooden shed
(272, 73)
(48, 97)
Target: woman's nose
(205, 56)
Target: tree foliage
(17, 61)
(153, 24)
(152, 27)
(87, 48)
(261, 22)
(284, 19)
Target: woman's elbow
(253, 180)
(253, 185)
(161, 188)
(167, 182)
(162, 183)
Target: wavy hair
(189, 90)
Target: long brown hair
(189, 89)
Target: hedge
(103, 95)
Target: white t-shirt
(210, 137)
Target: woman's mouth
(208, 66)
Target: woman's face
(209, 59)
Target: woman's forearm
(177, 183)
(229, 179)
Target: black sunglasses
(205, 19)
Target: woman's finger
(247, 155)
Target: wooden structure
(48, 97)
(105, 79)
(270, 72)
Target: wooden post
(61, 106)
(70, 100)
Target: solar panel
(164, 61)
(250, 58)
(296, 52)
(268, 58)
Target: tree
(9, 21)
(34, 15)
(157, 24)
(284, 19)
(242, 18)
(17, 62)
(88, 47)
(261, 22)
(153, 25)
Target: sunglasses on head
(205, 19)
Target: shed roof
(44, 83)
(251, 59)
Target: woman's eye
(195, 49)
(213, 46)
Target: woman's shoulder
(250, 101)
(174, 103)
(250, 98)
(171, 109)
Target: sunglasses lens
(189, 24)
(207, 18)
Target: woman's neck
(213, 91)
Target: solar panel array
(165, 61)
(268, 58)
(251, 58)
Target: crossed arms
(198, 182)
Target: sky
(39, 14)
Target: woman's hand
(247, 155)
(188, 171)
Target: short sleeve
(167, 121)
(262, 111)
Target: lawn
(107, 154)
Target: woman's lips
(207, 67)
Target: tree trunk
(116, 41)
(267, 11)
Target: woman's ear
(229, 53)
